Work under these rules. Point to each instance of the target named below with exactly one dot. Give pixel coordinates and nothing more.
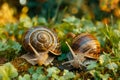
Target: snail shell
(41, 41)
(84, 42)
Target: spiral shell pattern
(84, 42)
(42, 39)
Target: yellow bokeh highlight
(24, 12)
(7, 14)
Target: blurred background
(100, 10)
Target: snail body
(40, 41)
(84, 46)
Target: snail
(84, 46)
(40, 42)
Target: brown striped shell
(84, 42)
(41, 41)
(83, 46)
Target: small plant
(9, 49)
(50, 73)
(7, 72)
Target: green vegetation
(64, 20)
(108, 64)
(8, 72)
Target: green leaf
(12, 71)
(72, 20)
(98, 76)
(35, 76)
(67, 75)
(14, 45)
(104, 58)
(105, 76)
(26, 22)
(92, 65)
(31, 70)
(8, 71)
(25, 77)
(112, 66)
(42, 77)
(3, 46)
(52, 70)
(20, 78)
(42, 20)
(39, 70)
